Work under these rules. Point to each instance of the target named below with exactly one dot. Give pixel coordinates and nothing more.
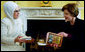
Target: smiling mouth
(66, 17)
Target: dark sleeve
(69, 35)
(82, 34)
(66, 29)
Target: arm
(22, 31)
(4, 35)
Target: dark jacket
(75, 40)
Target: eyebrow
(18, 9)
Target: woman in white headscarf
(11, 28)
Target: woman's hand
(24, 40)
(19, 40)
(54, 45)
(63, 33)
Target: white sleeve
(4, 35)
(22, 32)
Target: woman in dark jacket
(73, 31)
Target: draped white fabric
(24, 21)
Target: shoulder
(5, 21)
(80, 21)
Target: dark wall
(41, 27)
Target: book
(54, 38)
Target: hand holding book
(53, 39)
(63, 34)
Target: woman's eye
(66, 13)
(16, 10)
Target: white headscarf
(9, 8)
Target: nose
(64, 15)
(18, 12)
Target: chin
(16, 18)
(66, 20)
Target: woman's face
(16, 13)
(67, 15)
